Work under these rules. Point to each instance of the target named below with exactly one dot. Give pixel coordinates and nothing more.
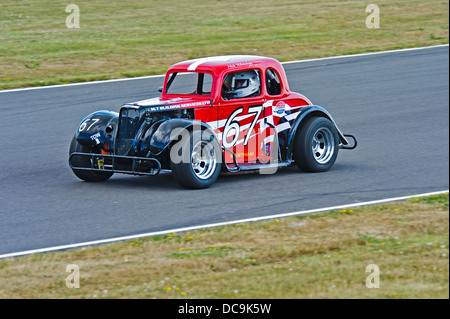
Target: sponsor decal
(268, 149)
(246, 154)
(240, 64)
(96, 138)
(100, 163)
(179, 106)
(279, 108)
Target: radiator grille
(128, 126)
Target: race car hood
(157, 104)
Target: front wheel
(86, 175)
(316, 145)
(199, 167)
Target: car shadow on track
(166, 181)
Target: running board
(255, 167)
(264, 166)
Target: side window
(241, 84)
(273, 82)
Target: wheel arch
(306, 113)
(166, 134)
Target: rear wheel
(200, 167)
(316, 145)
(83, 161)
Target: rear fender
(305, 113)
(98, 128)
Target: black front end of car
(112, 146)
(134, 141)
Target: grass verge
(118, 39)
(312, 256)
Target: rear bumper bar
(117, 164)
(349, 146)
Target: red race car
(232, 113)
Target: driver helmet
(244, 84)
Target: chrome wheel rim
(203, 160)
(323, 145)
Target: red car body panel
(264, 107)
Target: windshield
(192, 83)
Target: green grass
(141, 37)
(435, 199)
(313, 256)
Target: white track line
(247, 220)
(162, 75)
(82, 83)
(367, 54)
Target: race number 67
(232, 125)
(84, 124)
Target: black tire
(89, 176)
(200, 166)
(316, 145)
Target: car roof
(218, 64)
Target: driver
(242, 84)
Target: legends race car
(230, 113)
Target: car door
(244, 128)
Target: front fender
(157, 139)
(98, 128)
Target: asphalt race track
(397, 104)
